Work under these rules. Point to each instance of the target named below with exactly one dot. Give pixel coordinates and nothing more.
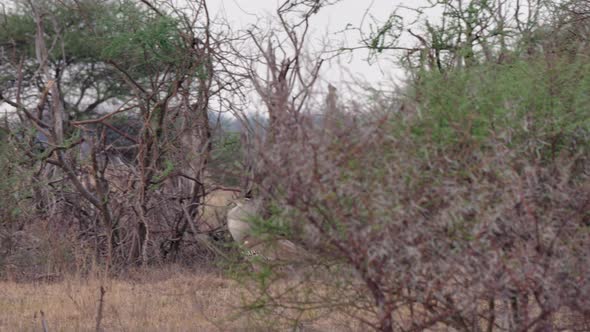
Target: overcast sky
(328, 24)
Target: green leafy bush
(13, 193)
(533, 105)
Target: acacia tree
(162, 61)
(45, 77)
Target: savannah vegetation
(456, 200)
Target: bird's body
(239, 217)
(239, 221)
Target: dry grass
(149, 302)
(154, 300)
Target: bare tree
(170, 69)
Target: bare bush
(453, 212)
(138, 195)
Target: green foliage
(169, 168)
(275, 224)
(387, 34)
(225, 159)
(75, 33)
(78, 27)
(93, 33)
(18, 30)
(12, 189)
(526, 101)
(141, 40)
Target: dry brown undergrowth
(153, 300)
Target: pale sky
(328, 24)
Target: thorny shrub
(464, 210)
